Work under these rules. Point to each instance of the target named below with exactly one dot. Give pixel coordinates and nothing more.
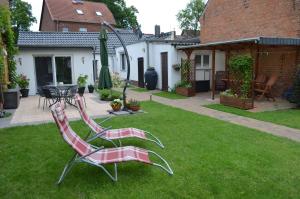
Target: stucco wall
(26, 57)
(139, 50)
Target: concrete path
(194, 105)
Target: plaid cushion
(121, 154)
(80, 146)
(124, 133)
(91, 123)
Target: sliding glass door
(44, 71)
(63, 70)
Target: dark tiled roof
(65, 10)
(74, 39)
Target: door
(141, 83)
(164, 71)
(44, 71)
(63, 70)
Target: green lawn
(169, 95)
(288, 117)
(141, 90)
(210, 159)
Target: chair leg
(44, 104)
(84, 101)
(39, 101)
(67, 168)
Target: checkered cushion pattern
(124, 133)
(121, 154)
(104, 156)
(110, 134)
(91, 123)
(61, 120)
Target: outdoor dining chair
(41, 95)
(267, 89)
(52, 96)
(113, 134)
(99, 156)
(70, 95)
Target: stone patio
(29, 113)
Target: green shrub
(117, 82)
(23, 81)
(82, 80)
(241, 67)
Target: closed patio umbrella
(104, 77)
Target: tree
(125, 16)
(21, 16)
(188, 18)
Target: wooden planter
(188, 92)
(245, 104)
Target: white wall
(138, 50)
(220, 63)
(26, 57)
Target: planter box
(188, 92)
(245, 104)
(11, 99)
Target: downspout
(94, 64)
(148, 54)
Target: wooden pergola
(252, 45)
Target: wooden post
(213, 74)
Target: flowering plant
(23, 81)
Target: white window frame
(82, 29)
(201, 65)
(123, 62)
(79, 11)
(65, 29)
(98, 13)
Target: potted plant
(185, 89)
(23, 83)
(91, 88)
(116, 105)
(81, 82)
(240, 71)
(134, 105)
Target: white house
(161, 53)
(48, 58)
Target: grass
(141, 90)
(287, 117)
(170, 95)
(210, 159)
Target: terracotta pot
(188, 92)
(245, 104)
(135, 108)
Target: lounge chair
(113, 134)
(99, 156)
(267, 89)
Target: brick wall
(47, 24)
(4, 2)
(235, 19)
(74, 27)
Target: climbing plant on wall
(7, 41)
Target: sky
(151, 13)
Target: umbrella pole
(128, 62)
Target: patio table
(63, 92)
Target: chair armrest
(98, 134)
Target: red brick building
(74, 16)
(4, 2)
(268, 30)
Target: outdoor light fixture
(20, 61)
(82, 60)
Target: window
(65, 29)
(205, 61)
(82, 29)
(202, 61)
(63, 70)
(80, 12)
(123, 62)
(98, 13)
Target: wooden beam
(213, 74)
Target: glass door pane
(43, 71)
(63, 70)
